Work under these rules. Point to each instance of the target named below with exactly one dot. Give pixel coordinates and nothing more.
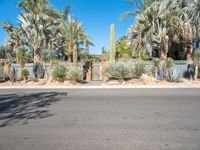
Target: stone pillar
(89, 73)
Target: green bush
(58, 72)
(169, 63)
(139, 69)
(74, 74)
(24, 73)
(3, 75)
(34, 79)
(156, 62)
(118, 71)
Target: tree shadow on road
(20, 108)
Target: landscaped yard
(50, 46)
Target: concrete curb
(102, 87)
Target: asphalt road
(103, 119)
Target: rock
(146, 79)
(49, 82)
(105, 79)
(42, 82)
(134, 81)
(67, 83)
(124, 83)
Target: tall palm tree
(184, 7)
(37, 7)
(194, 14)
(156, 25)
(16, 43)
(15, 36)
(41, 33)
(74, 36)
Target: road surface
(101, 119)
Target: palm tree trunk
(164, 47)
(188, 41)
(189, 49)
(196, 72)
(70, 53)
(75, 55)
(36, 58)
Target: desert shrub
(74, 74)
(156, 62)
(24, 73)
(58, 71)
(139, 69)
(3, 75)
(166, 71)
(34, 79)
(118, 71)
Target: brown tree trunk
(188, 41)
(70, 53)
(196, 72)
(189, 50)
(36, 58)
(164, 47)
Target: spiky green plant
(112, 43)
(118, 70)
(59, 71)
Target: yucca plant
(59, 71)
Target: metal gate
(96, 71)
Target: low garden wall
(179, 69)
(30, 68)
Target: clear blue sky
(95, 15)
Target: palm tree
(15, 36)
(40, 33)
(194, 14)
(183, 6)
(37, 7)
(155, 26)
(75, 35)
(22, 56)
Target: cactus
(75, 55)
(112, 43)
